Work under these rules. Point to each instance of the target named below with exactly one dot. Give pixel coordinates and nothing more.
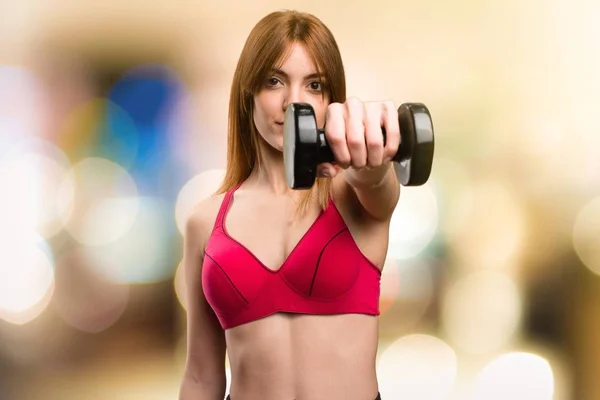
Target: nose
(292, 95)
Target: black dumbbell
(305, 146)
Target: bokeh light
(195, 190)
(98, 200)
(141, 254)
(482, 311)
(30, 174)
(408, 287)
(417, 366)
(84, 299)
(449, 178)
(515, 376)
(180, 286)
(23, 106)
(151, 96)
(414, 222)
(98, 128)
(26, 277)
(486, 227)
(586, 235)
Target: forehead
(298, 61)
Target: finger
(335, 133)
(373, 134)
(355, 132)
(392, 130)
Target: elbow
(207, 386)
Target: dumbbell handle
(409, 115)
(326, 155)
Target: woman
(288, 281)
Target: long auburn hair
(268, 45)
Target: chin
(276, 143)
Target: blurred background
(113, 124)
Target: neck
(269, 173)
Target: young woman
(288, 281)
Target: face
(295, 81)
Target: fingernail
(326, 173)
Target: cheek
(320, 112)
(259, 113)
(264, 107)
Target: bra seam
(227, 276)
(367, 259)
(319, 260)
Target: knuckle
(389, 105)
(359, 162)
(343, 160)
(353, 103)
(374, 144)
(355, 143)
(334, 108)
(373, 163)
(372, 108)
(334, 138)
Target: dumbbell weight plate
(414, 159)
(300, 146)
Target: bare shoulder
(201, 219)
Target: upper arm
(205, 361)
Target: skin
(290, 356)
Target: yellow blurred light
(449, 178)
(98, 200)
(86, 125)
(196, 189)
(180, 286)
(83, 298)
(417, 366)
(482, 311)
(546, 138)
(26, 277)
(586, 235)
(141, 254)
(486, 227)
(515, 376)
(414, 222)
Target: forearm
(369, 178)
(193, 390)
(377, 190)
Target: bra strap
(225, 206)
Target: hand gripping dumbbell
(305, 146)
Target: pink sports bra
(325, 273)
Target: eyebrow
(311, 76)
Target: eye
(272, 81)
(316, 86)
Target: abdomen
(287, 356)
